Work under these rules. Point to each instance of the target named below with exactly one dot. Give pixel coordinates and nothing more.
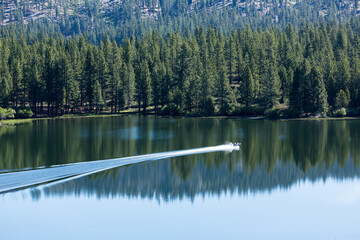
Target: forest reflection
(273, 153)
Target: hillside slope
(122, 18)
(124, 10)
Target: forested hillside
(310, 70)
(121, 19)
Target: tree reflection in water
(273, 153)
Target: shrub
(24, 113)
(225, 109)
(290, 112)
(171, 110)
(340, 112)
(7, 113)
(273, 112)
(208, 106)
(251, 110)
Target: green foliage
(224, 92)
(340, 112)
(97, 96)
(4, 91)
(208, 106)
(316, 95)
(342, 100)
(307, 70)
(248, 111)
(121, 19)
(129, 84)
(291, 113)
(172, 110)
(142, 85)
(271, 88)
(7, 113)
(343, 72)
(23, 112)
(273, 112)
(225, 109)
(248, 87)
(297, 91)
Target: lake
(290, 180)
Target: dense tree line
(309, 70)
(121, 19)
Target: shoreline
(11, 122)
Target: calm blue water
(290, 180)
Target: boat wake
(57, 174)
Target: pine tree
(128, 84)
(90, 77)
(34, 87)
(300, 88)
(248, 87)
(193, 81)
(114, 79)
(108, 52)
(48, 77)
(329, 69)
(355, 82)
(311, 75)
(239, 61)
(284, 83)
(17, 79)
(4, 92)
(340, 45)
(223, 91)
(97, 96)
(64, 76)
(128, 52)
(230, 53)
(165, 86)
(102, 73)
(5, 78)
(271, 91)
(318, 94)
(74, 92)
(205, 89)
(157, 77)
(342, 100)
(343, 75)
(142, 85)
(183, 73)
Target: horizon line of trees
(309, 70)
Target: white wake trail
(61, 173)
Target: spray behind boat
(61, 173)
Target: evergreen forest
(122, 19)
(311, 69)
